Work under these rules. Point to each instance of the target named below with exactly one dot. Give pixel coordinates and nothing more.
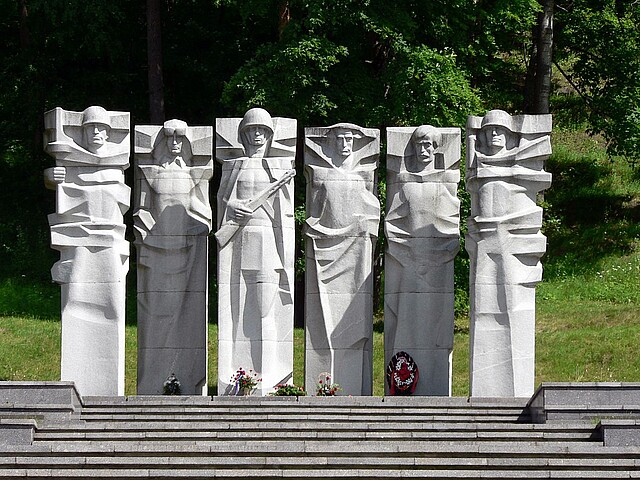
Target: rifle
(229, 229)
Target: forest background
(376, 63)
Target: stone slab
(40, 393)
(16, 432)
(581, 400)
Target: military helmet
(497, 118)
(256, 117)
(96, 114)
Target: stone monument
(255, 248)
(91, 149)
(423, 237)
(505, 171)
(172, 223)
(343, 214)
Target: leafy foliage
(288, 390)
(372, 62)
(602, 40)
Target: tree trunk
(24, 26)
(538, 81)
(545, 58)
(154, 59)
(284, 17)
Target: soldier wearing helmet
(496, 132)
(96, 125)
(255, 132)
(256, 258)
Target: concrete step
(315, 417)
(317, 472)
(332, 447)
(310, 430)
(196, 461)
(275, 425)
(163, 436)
(308, 437)
(336, 401)
(14, 409)
(358, 409)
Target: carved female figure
(172, 223)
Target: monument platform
(585, 430)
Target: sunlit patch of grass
(30, 349)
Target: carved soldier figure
(91, 149)
(505, 171)
(343, 214)
(422, 230)
(172, 222)
(256, 248)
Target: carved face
(174, 143)
(495, 137)
(344, 141)
(425, 149)
(257, 135)
(96, 135)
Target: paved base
(312, 437)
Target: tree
(600, 41)
(538, 82)
(154, 60)
(368, 62)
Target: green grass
(588, 305)
(30, 350)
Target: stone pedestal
(505, 171)
(172, 223)
(343, 214)
(256, 241)
(91, 149)
(422, 230)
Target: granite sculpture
(343, 215)
(172, 222)
(422, 231)
(91, 150)
(505, 172)
(255, 249)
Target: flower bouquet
(324, 387)
(286, 390)
(245, 382)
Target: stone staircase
(309, 437)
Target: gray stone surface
(505, 172)
(343, 214)
(620, 432)
(422, 229)
(40, 393)
(91, 149)
(558, 401)
(16, 432)
(256, 239)
(376, 437)
(172, 222)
